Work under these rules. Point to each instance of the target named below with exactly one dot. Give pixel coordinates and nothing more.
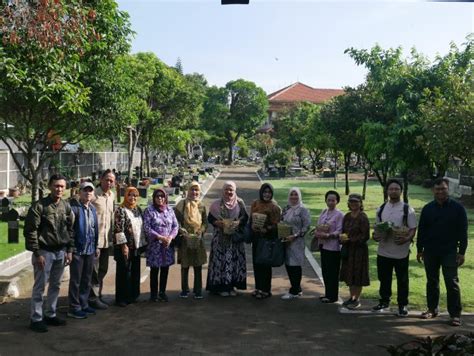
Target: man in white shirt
(393, 252)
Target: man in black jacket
(48, 234)
(442, 243)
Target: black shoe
(55, 321)
(402, 311)
(162, 297)
(103, 301)
(97, 304)
(121, 304)
(38, 326)
(347, 302)
(380, 307)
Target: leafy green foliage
(236, 110)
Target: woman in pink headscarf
(227, 265)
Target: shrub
(454, 344)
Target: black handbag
(270, 252)
(344, 252)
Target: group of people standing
(60, 233)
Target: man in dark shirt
(48, 234)
(442, 243)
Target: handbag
(344, 252)
(314, 245)
(270, 252)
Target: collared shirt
(104, 204)
(89, 246)
(443, 228)
(334, 219)
(394, 212)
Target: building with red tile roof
(293, 94)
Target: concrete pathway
(215, 325)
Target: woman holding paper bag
(266, 228)
(227, 265)
(298, 218)
(328, 230)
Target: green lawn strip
(8, 250)
(313, 197)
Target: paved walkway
(216, 325)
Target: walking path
(215, 325)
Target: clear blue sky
(276, 43)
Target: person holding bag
(192, 219)
(129, 243)
(296, 215)
(355, 263)
(265, 215)
(227, 264)
(329, 228)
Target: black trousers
(154, 271)
(385, 267)
(197, 279)
(330, 266)
(295, 274)
(263, 277)
(127, 277)
(449, 266)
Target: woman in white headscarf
(298, 217)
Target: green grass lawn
(6, 249)
(313, 197)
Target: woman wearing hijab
(192, 219)
(330, 247)
(227, 265)
(267, 206)
(129, 242)
(355, 265)
(298, 217)
(161, 227)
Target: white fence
(71, 164)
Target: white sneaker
(233, 293)
(224, 294)
(289, 296)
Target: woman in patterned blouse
(161, 227)
(129, 242)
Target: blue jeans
(51, 274)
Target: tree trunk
(347, 160)
(142, 155)
(112, 144)
(147, 158)
(364, 186)
(335, 170)
(131, 149)
(230, 155)
(405, 185)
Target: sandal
(456, 321)
(429, 314)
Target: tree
(447, 108)
(52, 51)
(389, 102)
(301, 129)
(236, 110)
(342, 124)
